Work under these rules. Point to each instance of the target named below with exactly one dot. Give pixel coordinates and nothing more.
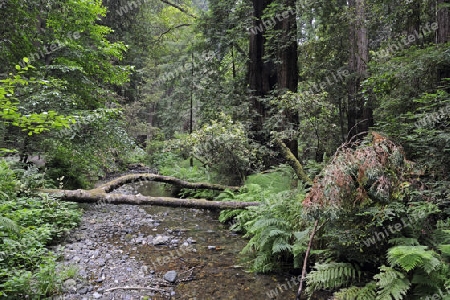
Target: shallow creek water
(214, 264)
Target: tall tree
(359, 112)
(273, 66)
(288, 68)
(443, 35)
(262, 75)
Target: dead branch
(170, 29)
(305, 261)
(131, 178)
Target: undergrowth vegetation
(29, 223)
(274, 228)
(380, 236)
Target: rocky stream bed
(136, 252)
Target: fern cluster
(277, 236)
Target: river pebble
(98, 250)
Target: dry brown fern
(369, 171)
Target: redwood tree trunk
(443, 36)
(261, 75)
(359, 113)
(288, 69)
(264, 76)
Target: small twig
(190, 270)
(135, 288)
(305, 261)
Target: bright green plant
(88, 150)
(29, 222)
(9, 106)
(275, 228)
(222, 146)
(8, 181)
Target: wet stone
(160, 240)
(82, 290)
(171, 276)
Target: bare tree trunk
(261, 75)
(443, 31)
(305, 260)
(101, 194)
(100, 198)
(130, 178)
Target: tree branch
(130, 178)
(172, 28)
(102, 195)
(293, 162)
(305, 261)
(179, 8)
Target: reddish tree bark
(359, 112)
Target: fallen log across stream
(102, 194)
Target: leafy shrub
(8, 181)
(29, 222)
(89, 151)
(222, 146)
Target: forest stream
(150, 252)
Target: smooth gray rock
(171, 276)
(83, 290)
(160, 240)
(70, 285)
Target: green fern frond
(228, 214)
(226, 195)
(427, 284)
(280, 245)
(445, 249)
(403, 241)
(278, 232)
(8, 225)
(270, 234)
(410, 257)
(302, 236)
(392, 284)
(330, 276)
(367, 292)
(267, 222)
(263, 262)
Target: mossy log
(102, 194)
(293, 162)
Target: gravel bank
(99, 248)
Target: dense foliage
(358, 91)
(30, 222)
